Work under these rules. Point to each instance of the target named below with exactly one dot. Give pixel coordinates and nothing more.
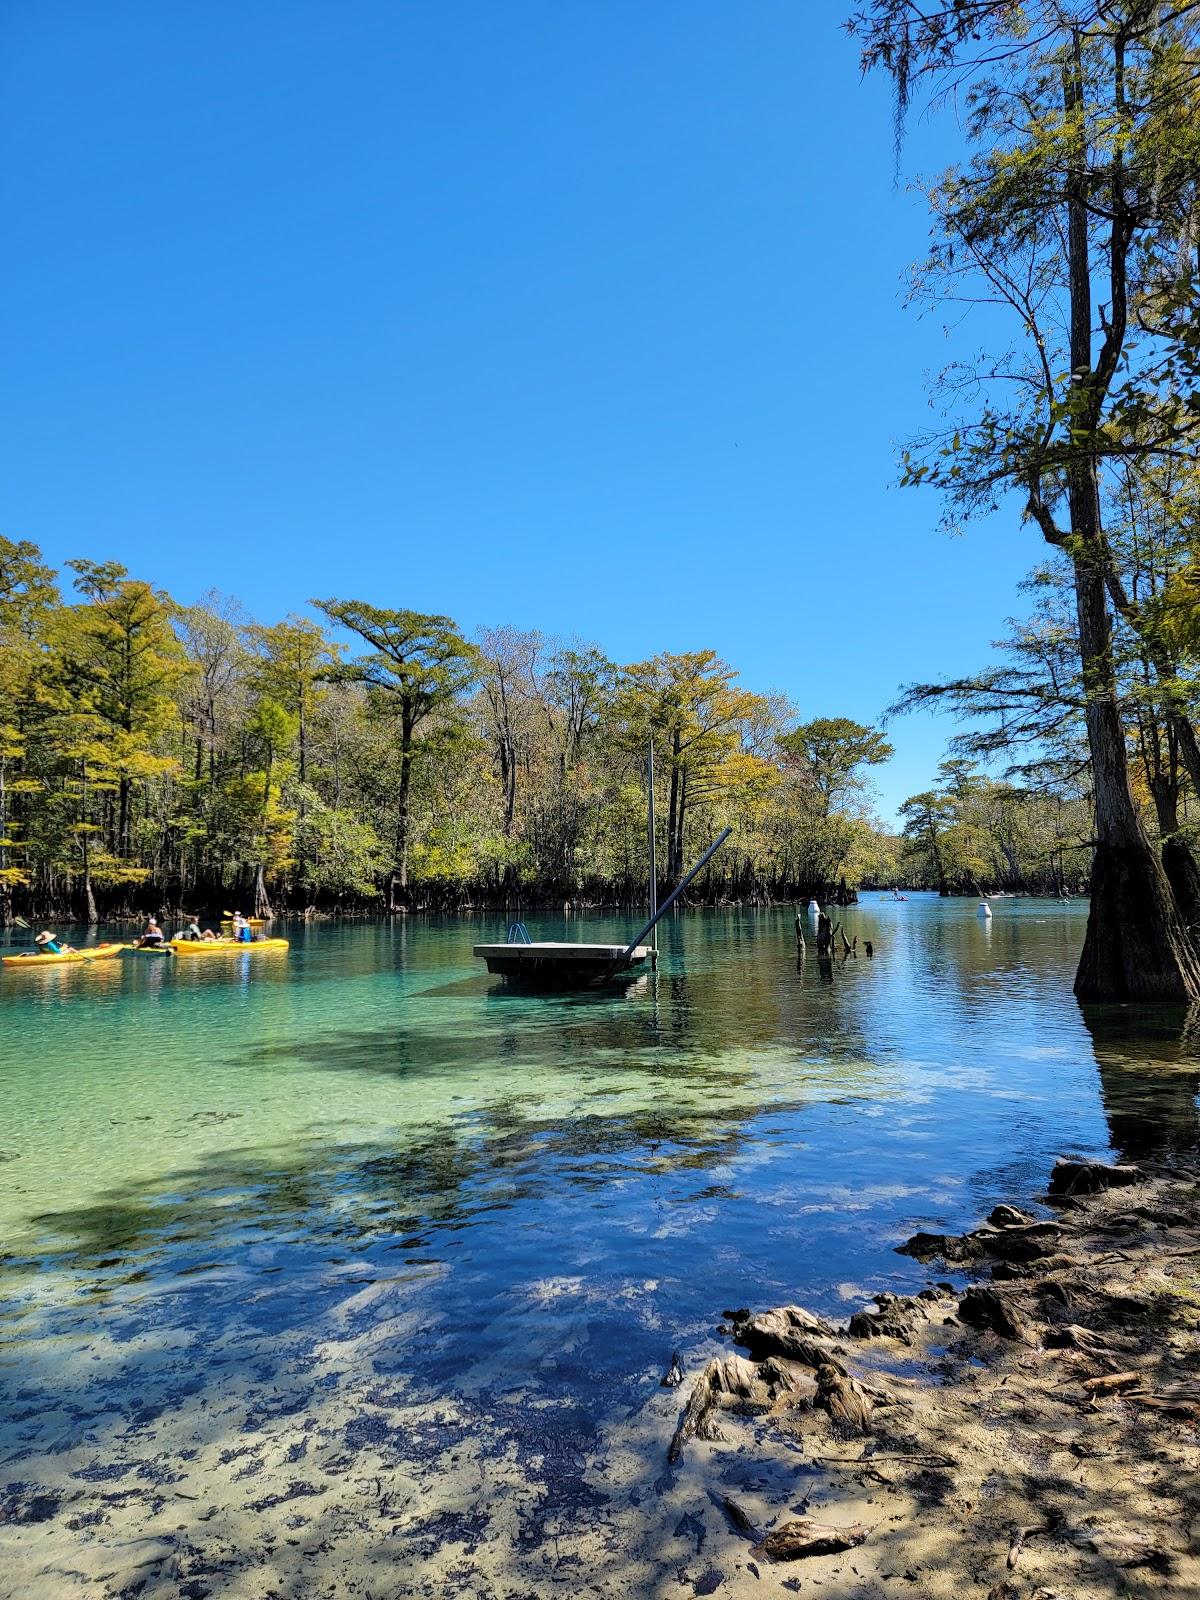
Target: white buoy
(985, 910)
(814, 909)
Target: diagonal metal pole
(674, 895)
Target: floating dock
(556, 962)
(551, 961)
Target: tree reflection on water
(1148, 1061)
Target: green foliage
(148, 749)
(833, 750)
(972, 833)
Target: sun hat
(44, 937)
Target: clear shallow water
(208, 1168)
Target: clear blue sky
(576, 315)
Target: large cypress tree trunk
(1136, 946)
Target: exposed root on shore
(1029, 1437)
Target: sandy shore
(1048, 1447)
(1037, 1435)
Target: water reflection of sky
(370, 1135)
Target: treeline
(156, 755)
(974, 834)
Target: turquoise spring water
(204, 1163)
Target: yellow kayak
(255, 922)
(98, 952)
(212, 947)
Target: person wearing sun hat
(49, 945)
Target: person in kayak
(152, 936)
(242, 932)
(195, 934)
(49, 944)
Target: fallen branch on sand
(805, 1537)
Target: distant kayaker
(241, 929)
(49, 944)
(152, 935)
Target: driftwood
(728, 1380)
(734, 1376)
(778, 1378)
(1177, 1400)
(1112, 1383)
(806, 1537)
(1019, 1538)
(787, 1333)
(740, 1518)
(825, 934)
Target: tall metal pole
(653, 858)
